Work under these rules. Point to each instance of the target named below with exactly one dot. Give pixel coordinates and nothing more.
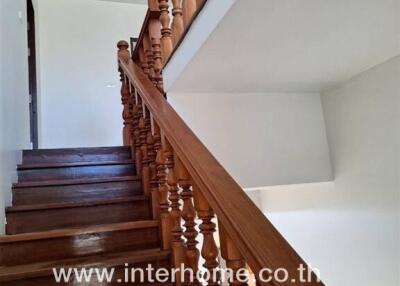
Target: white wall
(261, 139)
(77, 55)
(204, 24)
(14, 98)
(350, 228)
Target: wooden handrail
(169, 157)
(258, 241)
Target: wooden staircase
(77, 208)
(159, 200)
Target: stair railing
(184, 180)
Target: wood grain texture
(71, 182)
(32, 218)
(255, 237)
(68, 243)
(116, 169)
(77, 192)
(42, 272)
(75, 155)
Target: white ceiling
(142, 2)
(293, 45)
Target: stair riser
(76, 155)
(82, 172)
(74, 193)
(118, 274)
(74, 246)
(49, 219)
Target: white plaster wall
(77, 56)
(350, 228)
(14, 98)
(261, 139)
(204, 24)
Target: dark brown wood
(30, 218)
(68, 243)
(117, 169)
(74, 155)
(43, 271)
(79, 207)
(33, 105)
(254, 235)
(74, 182)
(74, 193)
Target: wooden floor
(77, 208)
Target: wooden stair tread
(75, 181)
(75, 204)
(78, 231)
(73, 164)
(75, 150)
(8, 273)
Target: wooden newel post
(123, 51)
(124, 55)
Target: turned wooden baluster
(132, 109)
(209, 250)
(178, 250)
(189, 216)
(189, 8)
(154, 145)
(177, 22)
(143, 61)
(155, 38)
(135, 120)
(148, 50)
(166, 31)
(137, 114)
(145, 160)
(151, 154)
(229, 252)
(126, 113)
(163, 199)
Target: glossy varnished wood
(76, 192)
(76, 155)
(70, 182)
(42, 272)
(255, 237)
(43, 172)
(78, 207)
(30, 218)
(67, 243)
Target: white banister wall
(14, 98)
